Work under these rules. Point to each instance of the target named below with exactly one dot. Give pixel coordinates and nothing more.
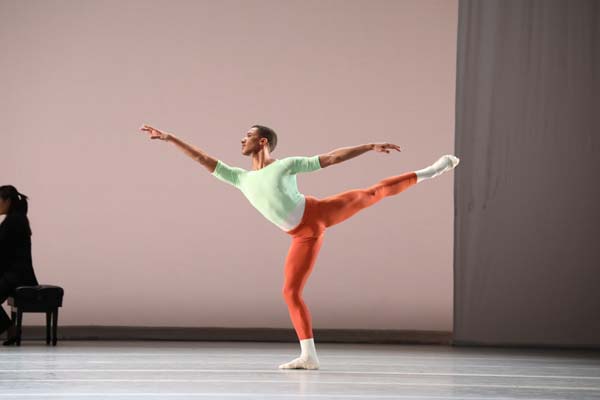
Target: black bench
(40, 299)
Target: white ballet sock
(308, 357)
(443, 164)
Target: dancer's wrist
(371, 146)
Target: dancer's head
(11, 201)
(259, 138)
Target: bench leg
(19, 324)
(54, 325)
(48, 324)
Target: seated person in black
(16, 267)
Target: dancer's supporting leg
(298, 266)
(324, 213)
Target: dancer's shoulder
(304, 163)
(227, 173)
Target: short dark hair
(269, 134)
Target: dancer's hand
(385, 147)
(154, 133)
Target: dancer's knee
(291, 295)
(370, 192)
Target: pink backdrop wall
(138, 234)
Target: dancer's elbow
(327, 159)
(210, 163)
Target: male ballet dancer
(271, 187)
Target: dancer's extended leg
(337, 208)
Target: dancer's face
(4, 205)
(252, 142)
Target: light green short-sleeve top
(273, 189)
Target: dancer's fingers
(152, 131)
(386, 147)
(393, 146)
(147, 128)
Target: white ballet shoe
(453, 160)
(301, 363)
(443, 164)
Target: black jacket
(16, 267)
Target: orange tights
(307, 238)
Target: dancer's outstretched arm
(197, 154)
(345, 153)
